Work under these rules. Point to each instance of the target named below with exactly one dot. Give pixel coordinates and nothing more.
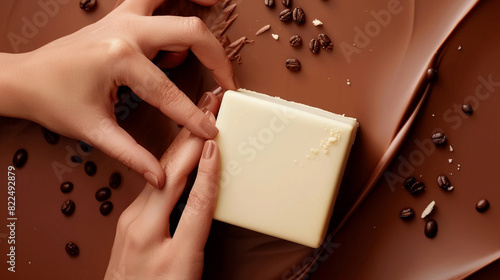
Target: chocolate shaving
(263, 29)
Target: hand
(143, 247)
(70, 84)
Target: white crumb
(428, 209)
(317, 22)
(275, 36)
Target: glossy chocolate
(377, 72)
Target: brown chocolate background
(387, 80)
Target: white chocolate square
(282, 164)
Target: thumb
(112, 140)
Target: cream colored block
(282, 164)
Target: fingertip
(156, 180)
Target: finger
(176, 34)
(194, 226)
(167, 60)
(179, 160)
(153, 86)
(180, 163)
(117, 143)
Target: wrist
(14, 82)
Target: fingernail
(152, 179)
(208, 149)
(204, 101)
(217, 91)
(209, 127)
(209, 114)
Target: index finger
(172, 33)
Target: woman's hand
(70, 84)
(143, 247)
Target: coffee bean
(444, 183)
(20, 158)
(103, 194)
(314, 46)
(417, 188)
(269, 3)
(85, 147)
(409, 182)
(299, 16)
(431, 74)
(295, 41)
(76, 159)
(467, 109)
(286, 15)
(406, 214)
(88, 5)
(50, 137)
(293, 64)
(115, 180)
(482, 205)
(438, 138)
(68, 207)
(431, 228)
(106, 208)
(66, 187)
(90, 168)
(325, 42)
(287, 3)
(72, 249)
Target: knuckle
(134, 237)
(117, 48)
(199, 202)
(122, 156)
(196, 27)
(169, 94)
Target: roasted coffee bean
(115, 180)
(467, 109)
(68, 207)
(72, 249)
(286, 15)
(66, 187)
(50, 137)
(269, 3)
(86, 148)
(20, 158)
(90, 168)
(299, 16)
(417, 188)
(106, 208)
(325, 42)
(293, 64)
(76, 159)
(409, 182)
(431, 228)
(88, 5)
(444, 183)
(482, 205)
(287, 3)
(103, 194)
(438, 138)
(431, 74)
(314, 46)
(406, 214)
(295, 41)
